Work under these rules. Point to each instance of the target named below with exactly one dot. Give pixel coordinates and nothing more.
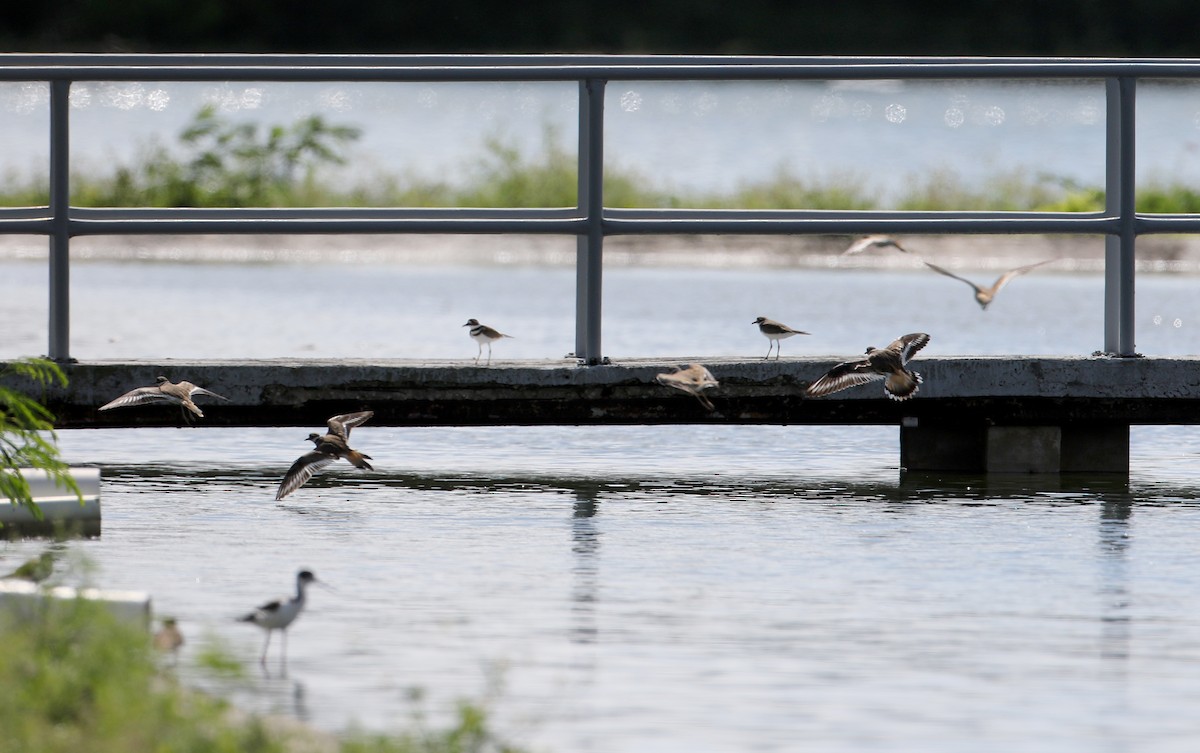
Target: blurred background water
(705, 136)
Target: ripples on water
(677, 588)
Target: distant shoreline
(1159, 253)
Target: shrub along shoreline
(220, 163)
(76, 678)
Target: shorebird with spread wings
(984, 296)
(326, 449)
(180, 394)
(694, 380)
(889, 364)
(873, 241)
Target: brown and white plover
(889, 364)
(327, 449)
(484, 335)
(774, 332)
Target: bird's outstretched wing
(341, 425)
(948, 273)
(840, 377)
(140, 396)
(1004, 279)
(873, 241)
(301, 471)
(907, 345)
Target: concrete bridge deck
(972, 412)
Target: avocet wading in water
(279, 614)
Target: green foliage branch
(27, 437)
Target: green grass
(73, 678)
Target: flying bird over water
(984, 296)
(774, 332)
(889, 364)
(694, 380)
(165, 392)
(873, 241)
(484, 335)
(279, 614)
(327, 449)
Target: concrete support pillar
(1024, 449)
(981, 448)
(946, 447)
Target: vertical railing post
(60, 237)
(1119, 201)
(589, 248)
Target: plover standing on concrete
(774, 332)
(484, 335)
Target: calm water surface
(692, 588)
(678, 589)
(230, 310)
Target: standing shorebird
(694, 380)
(774, 332)
(165, 392)
(168, 639)
(484, 335)
(279, 614)
(889, 364)
(984, 296)
(327, 449)
(873, 241)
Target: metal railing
(589, 221)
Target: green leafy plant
(27, 438)
(73, 677)
(218, 162)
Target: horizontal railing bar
(40, 226)
(491, 68)
(1146, 224)
(567, 221)
(336, 220)
(323, 213)
(1085, 225)
(302, 226)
